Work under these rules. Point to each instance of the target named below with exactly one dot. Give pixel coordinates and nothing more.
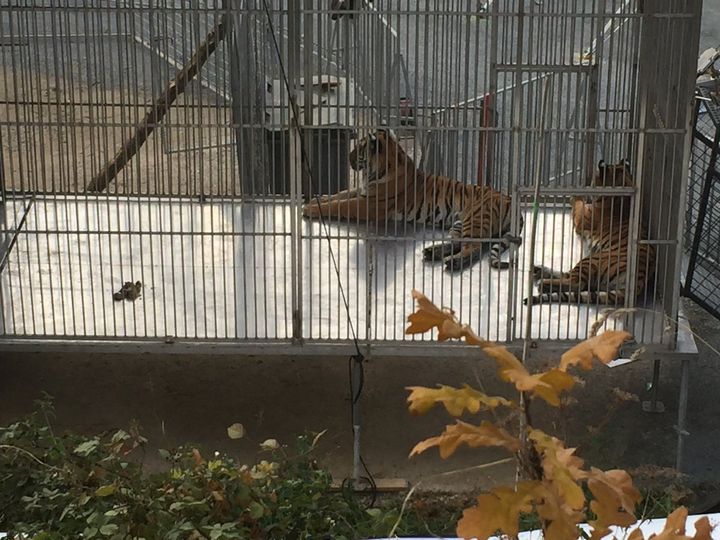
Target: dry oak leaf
(429, 316)
(562, 519)
(675, 528)
(603, 347)
(547, 385)
(561, 467)
(498, 510)
(614, 501)
(486, 434)
(703, 529)
(553, 382)
(455, 400)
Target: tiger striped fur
(600, 278)
(396, 189)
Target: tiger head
(616, 175)
(376, 154)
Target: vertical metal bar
(515, 177)
(694, 30)
(654, 405)
(642, 97)
(37, 86)
(592, 117)
(310, 178)
(356, 393)
(295, 163)
(682, 412)
(5, 236)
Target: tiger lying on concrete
(396, 189)
(605, 225)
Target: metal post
(4, 233)
(247, 88)
(654, 405)
(356, 385)
(682, 412)
(308, 170)
(490, 103)
(592, 120)
(295, 163)
(667, 72)
(515, 169)
(690, 55)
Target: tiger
(604, 225)
(396, 189)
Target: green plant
(63, 486)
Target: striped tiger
(396, 189)
(604, 224)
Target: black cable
(358, 357)
(306, 162)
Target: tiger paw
(311, 209)
(510, 238)
(551, 286)
(455, 264)
(432, 254)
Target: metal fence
(204, 209)
(702, 226)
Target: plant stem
(529, 458)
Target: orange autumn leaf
(703, 529)
(675, 528)
(555, 450)
(486, 434)
(553, 382)
(614, 501)
(455, 400)
(429, 316)
(561, 467)
(547, 386)
(498, 510)
(674, 525)
(603, 347)
(562, 520)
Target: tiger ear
(626, 164)
(601, 165)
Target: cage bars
(226, 258)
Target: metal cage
(174, 143)
(702, 227)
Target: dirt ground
(180, 399)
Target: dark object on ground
(129, 291)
